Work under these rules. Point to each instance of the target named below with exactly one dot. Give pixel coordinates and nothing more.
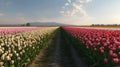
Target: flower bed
(100, 47)
(18, 49)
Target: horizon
(75, 12)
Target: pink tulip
(12, 30)
(95, 49)
(105, 60)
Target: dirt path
(66, 56)
(40, 60)
(57, 57)
(77, 60)
(63, 55)
(46, 55)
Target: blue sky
(78, 12)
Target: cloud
(75, 8)
(61, 12)
(79, 8)
(84, 1)
(66, 4)
(1, 14)
(67, 13)
(69, 1)
(74, 13)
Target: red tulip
(87, 47)
(114, 55)
(119, 53)
(95, 49)
(118, 47)
(115, 60)
(105, 44)
(110, 52)
(102, 51)
(103, 40)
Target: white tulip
(21, 53)
(19, 58)
(3, 57)
(12, 61)
(17, 54)
(2, 44)
(8, 58)
(1, 63)
(1, 51)
(10, 54)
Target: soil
(58, 54)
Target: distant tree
(93, 25)
(27, 24)
(22, 25)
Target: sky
(77, 12)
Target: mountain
(48, 24)
(38, 24)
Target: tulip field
(100, 47)
(19, 45)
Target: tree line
(105, 25)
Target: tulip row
(100, 47)
(14, 30)
(18, 49)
